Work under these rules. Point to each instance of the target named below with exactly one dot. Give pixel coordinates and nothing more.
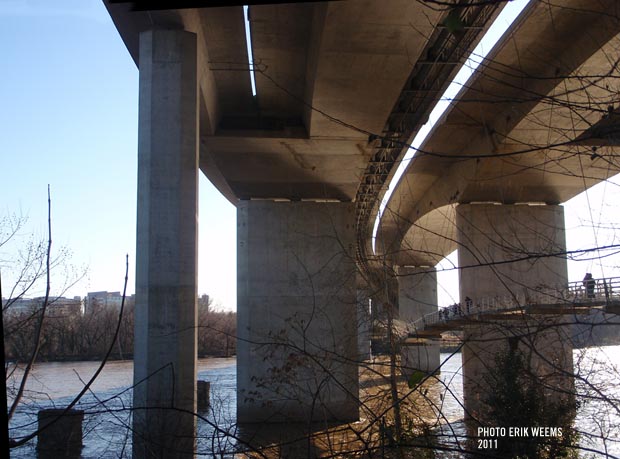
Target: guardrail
(578, 293)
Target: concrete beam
(165, 314)
(296, 306)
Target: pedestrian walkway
(573, 299)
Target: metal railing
(577, 294)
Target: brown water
(107, 419)
(54, 380)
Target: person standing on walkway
(589, 283)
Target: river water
(107, 414)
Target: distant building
(18, 305)
(99, 301)
(61, 307)
(57, 306)
(203, 302)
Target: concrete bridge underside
(520, 131)
(306, 160)
(535, 126)
(320, 69)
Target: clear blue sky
(69, 98)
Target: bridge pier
(513, 250)
(417, 296)
(164, 396)
(364, 319)
(297, 307)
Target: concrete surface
(417, 296)
(165, 311)
(506, 249)
(329, 75)
(297, 324)
(509, 135)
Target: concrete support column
(364, 328)
(165, 311)
(417, 296)
(512, 250)
(296, 312)
(364, 319)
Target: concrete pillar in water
(507, 251)
(417, 296)
(383, 310)
(165, 311)
(296, 311)
(204, 394)
(60, 433)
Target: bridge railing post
(612, 285)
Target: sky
(69, 98)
